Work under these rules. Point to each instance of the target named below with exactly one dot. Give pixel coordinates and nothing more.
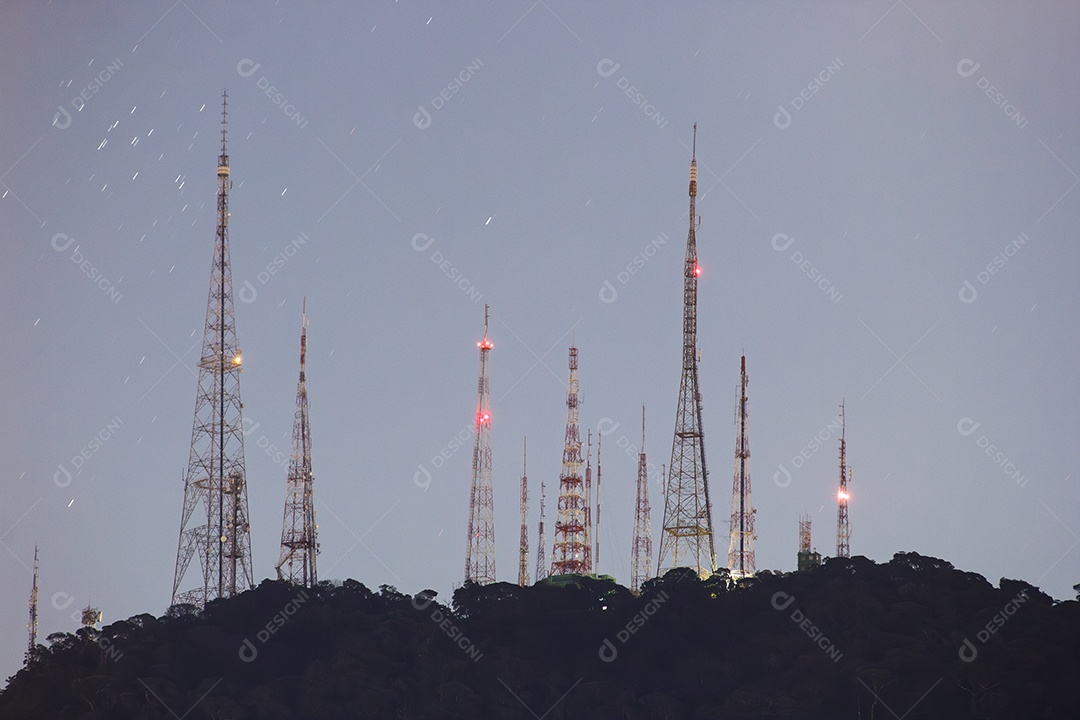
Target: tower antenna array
(570, 553)
(32, 626)
(523, 550)
(480, 552)
(741, 561)
(687, 537)
(843, 527)
(641, 552)
(299, 540)
(215, 482)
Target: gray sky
(858, 139)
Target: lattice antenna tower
(480, 553)
(804, 533)
(687, 537)
(32, 626)
(588, 503)
(741, 562)
(641, 551)
(596, 525)
(843, 527)
(570, 552)
(523, 549)
(215, 483)
(299, 533)
(541, 542)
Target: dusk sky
(889, 214)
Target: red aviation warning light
(697, 270)
(485, 344)
(842, 495)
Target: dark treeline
(911, 638)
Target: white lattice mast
(843, 527)
(480, 552)
(641, 552)
(215, 482)
(541, 542)
(596, 524)
(570, 552)
(32, 626)
(523, 549)
(687, 536)
(588, 504)
(741, 562)
(299, 533)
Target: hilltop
(911, 638)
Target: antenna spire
(523, 549)
(741, 561)
(32, 626)
(843, 527)
(480, 550)
(641, 548)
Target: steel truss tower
(299, 533)
(32, 626)
(480, 552)
(541, 543)
(570, 553)
(843, 528)
(687, 537)
(641, 552)
(215, 483)
(741, 561)
(523, 549)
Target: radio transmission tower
(523, 550)
(215, 483)
(687, 537)
(32, 626)
(299, 533)
(807, 557)
(480, 554)
(541, 543)
(641, 553)
(741, 561)
(843, 529)
(570, 554)
(596, 527)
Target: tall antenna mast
(299, 533)
(541, 543)
(596, 528)
(741, 562)
(588, 504)
(570, 553)
(523, 550)
(843, 528)
(215, 481)
(480, 552)
(687, 537)
(641, 552)
(32, 626)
